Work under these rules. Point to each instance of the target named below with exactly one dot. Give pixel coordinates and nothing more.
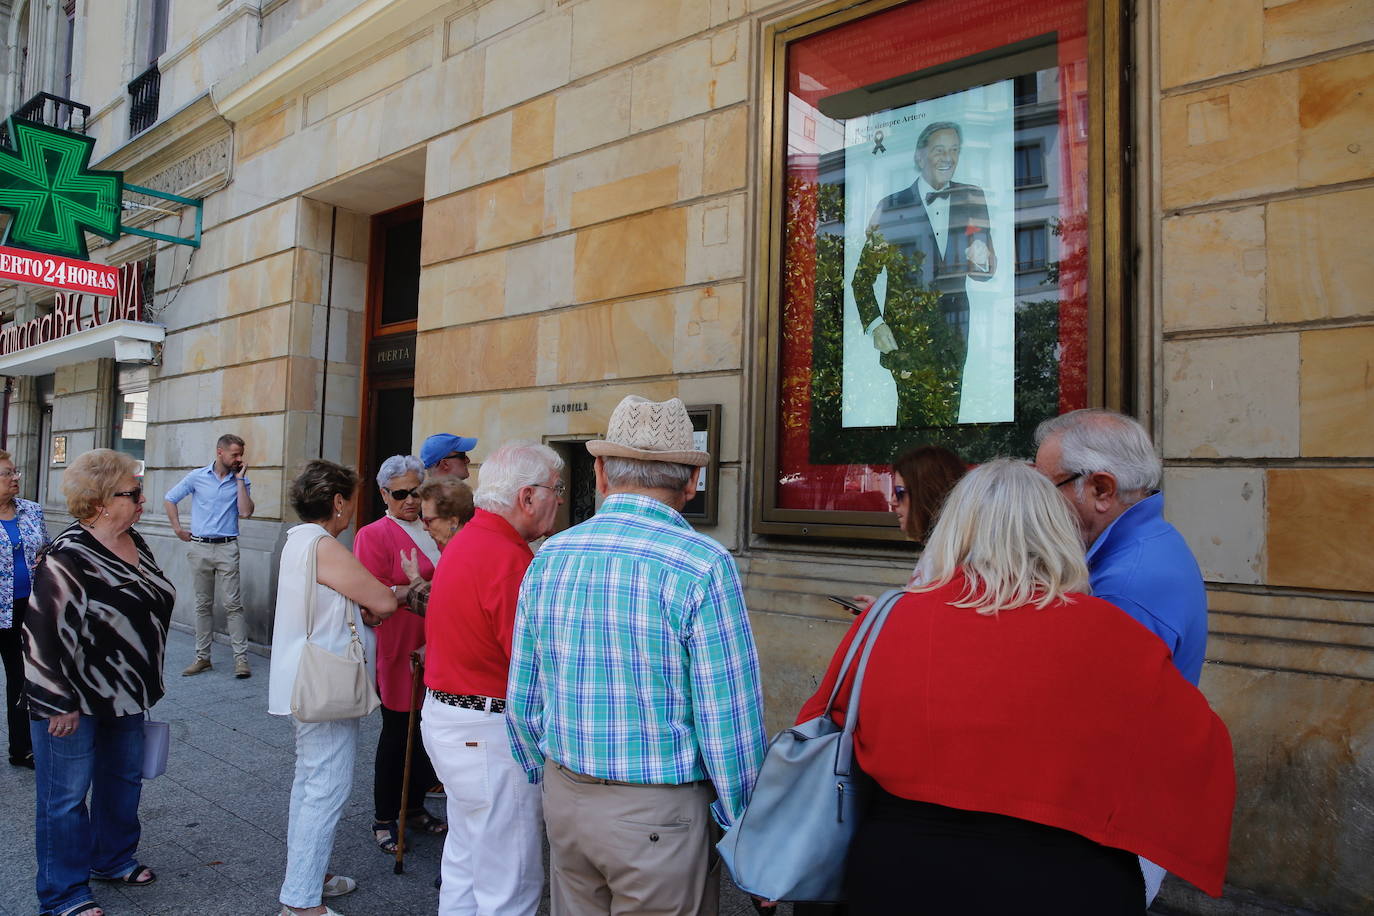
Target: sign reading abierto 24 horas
(54, 198)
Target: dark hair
(928, 472)
(314, 489)
(227, 440)
(934, 127)
(452, 498)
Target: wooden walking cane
(405, 773)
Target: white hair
(1011, 534)
(1097, 440)
(399, 466)
(640, 474)
(512, 466)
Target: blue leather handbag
(792, 840)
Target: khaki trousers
(208, 563)
(619, 848)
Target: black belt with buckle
(469, 701)
(200, 540)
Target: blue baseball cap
(440, 445)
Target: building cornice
(175, 137)
(332, 36)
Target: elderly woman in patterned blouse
(95, 633)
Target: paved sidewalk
(214, 827)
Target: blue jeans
(104, 756)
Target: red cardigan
(378, 547)
(1071, 716)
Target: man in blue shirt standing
(221, 494)
(1106, 467)
(634, 682)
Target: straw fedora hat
(650, 431)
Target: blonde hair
(92, 478)
(1013, 536)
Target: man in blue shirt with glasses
(221, 494)
(1106, 467)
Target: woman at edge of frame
(24, 532)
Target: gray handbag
(792, 840)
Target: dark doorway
(390, 408)
(393, 305)
(579, 476)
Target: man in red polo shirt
(492, 861)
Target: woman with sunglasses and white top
(95, 635)
(379, 547)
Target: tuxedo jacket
(900, 221)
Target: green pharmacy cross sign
(52, 194)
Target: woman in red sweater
(1027, 741)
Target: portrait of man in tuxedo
(930, 237)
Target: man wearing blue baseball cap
(446, 455)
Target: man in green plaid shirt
(634, 683)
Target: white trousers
(492, 863)
(324, 776)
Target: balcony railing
(143, 99)
(53, 110)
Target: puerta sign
(52, 194)
(74, 312)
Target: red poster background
(896, 42)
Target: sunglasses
(460, 456)
(135, 494)
(402, 494)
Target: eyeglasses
(558, 489)
(899, 493)
(135, 494)
(460, 456)
(7, 474)
(402, 494)
(1070, 479)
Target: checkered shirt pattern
(632, 657)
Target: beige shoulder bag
(329, 686)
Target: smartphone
(845, 603)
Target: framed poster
(944, 254)
(703, 508)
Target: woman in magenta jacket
(379, 547)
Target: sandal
(89, 908)
(423, 820)
(387, 836)
(140, 876)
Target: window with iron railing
(1030, 165)
(145, 89)
(1032, 247)
(143, 100)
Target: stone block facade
(591, 180)
(1265, 396)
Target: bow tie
(935, 195)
